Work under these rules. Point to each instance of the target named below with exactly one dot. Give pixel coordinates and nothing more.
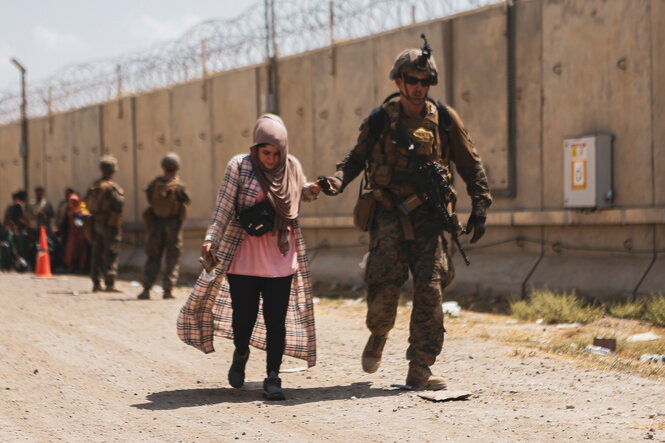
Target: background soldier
(395, 137)
(164, 221)
(105, 200)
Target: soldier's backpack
(98, 199)
(164, 198)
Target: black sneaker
(272, 387)
(237, 370)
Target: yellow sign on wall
(578, 174)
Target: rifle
(432, 185)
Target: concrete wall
(581, 67)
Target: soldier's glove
(476, 223)
(329, 185)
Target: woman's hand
(205, 250)
(315, 188)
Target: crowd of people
(69, 249)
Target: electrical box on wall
(587, 172)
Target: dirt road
(78, 366)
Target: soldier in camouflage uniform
(410, 239)
(164, 220)
(105, 200)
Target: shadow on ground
(253, 391)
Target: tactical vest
(390, 165)
(165, 199)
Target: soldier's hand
(329, 185)
(476, 223)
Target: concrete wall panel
(295, 106)
(37, 167)
(118, 140)
(339, 105)
(84, 146)
(479, 72)
(596, 77)
(11, 166)
(191, 138)
(234, 111)
(658, 97)
(58, 156)
(528, 90)
(152, 115)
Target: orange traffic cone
(43, 267)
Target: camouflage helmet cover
(407, 61)
(108, 163)
(171, 161)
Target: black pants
(245, 290)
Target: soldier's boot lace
(420, 377)
(272, 387)
(167, 294)
(237, 370)
(144, 295)
(371, 358)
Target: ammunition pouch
(383, 175)
(363, 211)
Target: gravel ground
(78, 366)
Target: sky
(45, 35)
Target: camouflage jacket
(452, 145)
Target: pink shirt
(260, 256)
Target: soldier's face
(411, 84)
(269, 156)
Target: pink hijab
(282, 184)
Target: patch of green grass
(554, 308)
(654, 310)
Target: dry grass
(655, 310)
(633, 310)
(554, 308)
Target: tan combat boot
(168, 294)
(371, 359)
(420, 377)
(144, 295)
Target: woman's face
(269, 156)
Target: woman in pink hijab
(252, 269)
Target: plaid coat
(208, 311)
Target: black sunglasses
(411, 80)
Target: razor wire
(224, 44)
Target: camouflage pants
(105, 251)
(390, 260)
(165, 239)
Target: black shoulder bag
(258, 219)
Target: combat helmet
(171, 161)
(108, 163)
(415, 60)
